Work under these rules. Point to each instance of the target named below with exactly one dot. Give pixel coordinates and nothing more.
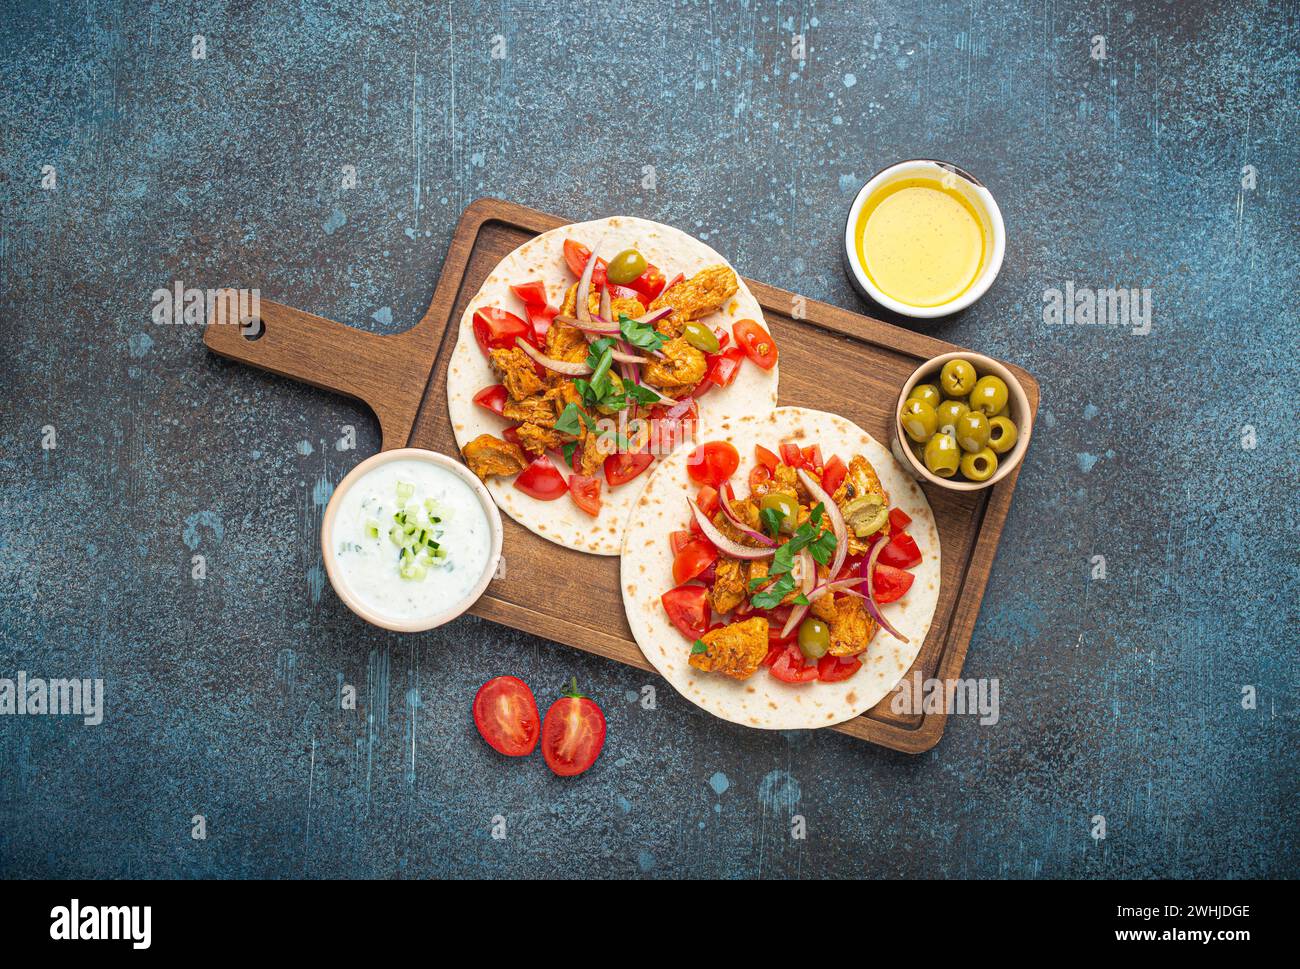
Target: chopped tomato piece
(832, 669)
(789, 667)
(713, 463)
(511, 434)
(621, 468)
(649, 284)
(890, 584)
(542, 480)
(766, 458)
(759, 476)
(901, 552)
(756, 342)
(585, 492)
(532, 295)
(677, 540)
(812, 457)
(773, 653)
(724, 365)
(898, 520)
(622, 292)
(576, 256)
(688, 609)
(492, 397)
(776, 619)
(791, 455)
(707, 499)
(697, 556)
(540, 320)
(495, 329)
(834, 474)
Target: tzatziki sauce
(410, 539)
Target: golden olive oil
(921, 242)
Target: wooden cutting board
(831, 360)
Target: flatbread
(673, 251)
(762, 700)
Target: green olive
(701, 337)
(950, 412)
(972, 431)
(919, 420)
(814, 638)
(1002, 434)
(980, 465)
(928, 393)
(625, 267)
(942, 455)
(989, 395)
(957, 378)
(785, 505)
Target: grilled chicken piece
(564, 342)
(536, 438)
(517, 373)
(852, 627)
(737, 650)
(630, 307)
(530, 410)
(728, 589)
(487, 456)
(692, 298)
(678, 371)
(863, 502)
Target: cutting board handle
(386, 372)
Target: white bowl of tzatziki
(410, 539)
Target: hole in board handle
(253, 328)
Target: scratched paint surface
(1119, 697)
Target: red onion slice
(736, 520)
(807, 577)
(722, 542)
(606, 305)
(873, 607)
(836, 519)
(550, 363)
(580, 307)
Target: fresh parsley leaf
(571, 420)
(823, 548)
(771, 521)
(569, 450)
(643, 394)
(640, 334)
(699, 646)
(799, 600)
(596, 350)
(771, 597)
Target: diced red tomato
(759, 476)
(576, 256)
(694, 558)
(773, 653)
(766, 458)
(832, 669)
(677, 540)
(688, 609)
(532, 295)
(791, 455)
(834, 474)
(789, 667)
(723, 366)
(511, 434)
(723, 338)
(710, 572)
(713, 463)
(674, 281)
(495, 329)
(585, 492)
(707, 499)
(776, 619)
(756, 342)
(492, 397)
(898, 520)
(540, 320)
(649, 284)
(623, 292)
(890, 584)
(621, 468)
(812, 457)
(901, 552)
(542, 480)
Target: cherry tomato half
(585, 492)
(621, 468)
(766, 458)
(688, 609)
(756, 342)
(492, 397)
(572, 733)
(576, 256)
(713, 463)
(891, 584)
(832, 669)
(495, 329)
(506, 715)
(542, 480)
(901, 552)
(697, 555)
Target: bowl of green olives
(963, 421)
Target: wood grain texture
(831, 359)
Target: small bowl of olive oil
(924, 238)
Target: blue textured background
(1119, 697)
